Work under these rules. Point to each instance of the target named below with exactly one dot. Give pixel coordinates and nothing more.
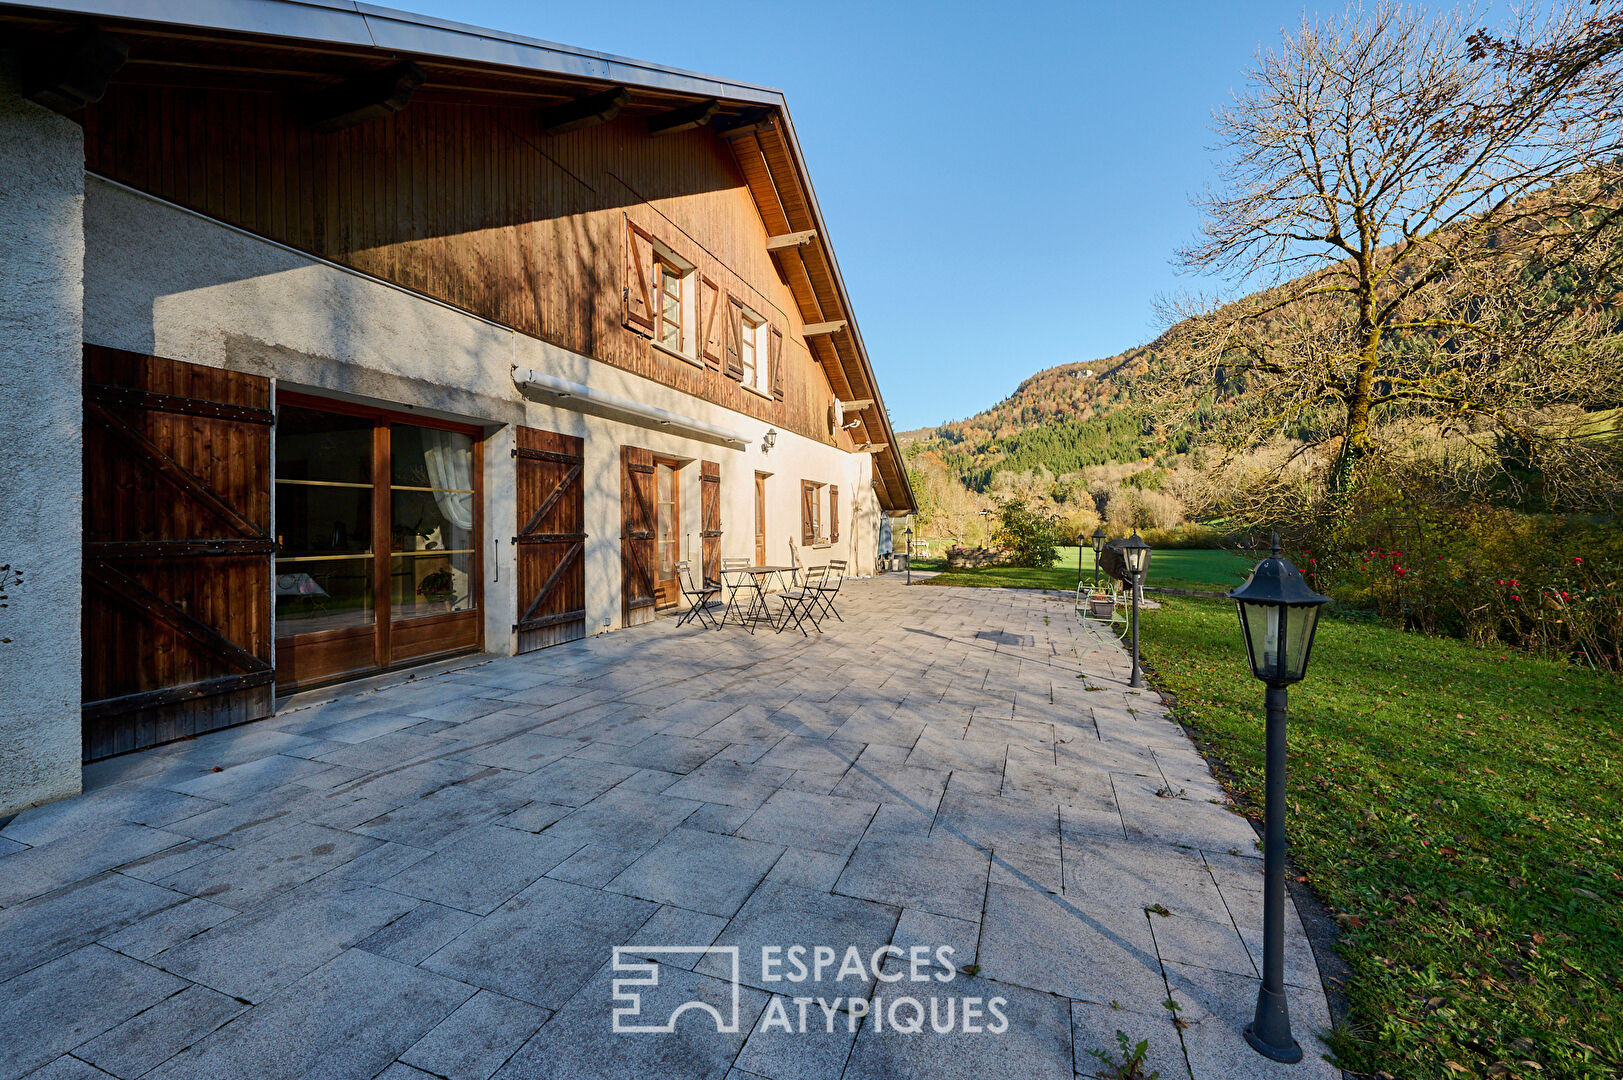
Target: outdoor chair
(699, 597)
(800, 604)
(1105, 608)
(829, 590)
(728, 565)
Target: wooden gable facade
(487, 189)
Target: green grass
(1174, 568)
(1462, 812)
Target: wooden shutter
(735, 362)
(177, 550)
(833, 512)
(636, 535)
(808, 512)
(777, 363)
(638, 290)
(551, 540)
(712, 322)
(710, 518)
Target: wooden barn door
(636, 535)
(710, 518)
(177, 550)
(551, 540)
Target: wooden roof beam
(747, 122)
(583, 112)
(858, 405)
(817, 329)
(791, 240)
(365, 97)
(70, 73)
(684, 118)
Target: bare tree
(1435, 230)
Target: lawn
(1172, 568)
(1461, 811)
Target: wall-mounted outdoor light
(769, 440)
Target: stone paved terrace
(429, 879)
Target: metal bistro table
(751, 580)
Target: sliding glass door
(377, 534)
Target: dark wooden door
(710, 518)
(551, 540)
(177, 550)
(636, 535)
(760, 520)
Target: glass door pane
(432, 511)
(666, 524)
(324, 554)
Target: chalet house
(338, 339)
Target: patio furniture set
(778, 596)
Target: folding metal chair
(802, 603)
(698, 598)
(830, 587)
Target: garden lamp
(1278, 614)
(909, 554)
(1098, 549)
(1135, 554)
(1079, 539)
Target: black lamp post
(1079, 538)
(910, 554)
(1278, 614)
(1135, 555)
(1098, 549)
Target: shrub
(1028, 536)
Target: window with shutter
(776, 361)
(734, 362)
(808, 512)
(713, 321)
(833, 512)
(639, 298)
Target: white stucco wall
(41, 283)
(164, 281)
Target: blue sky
(1005, 185)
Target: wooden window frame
(665, 269)
(811, 513)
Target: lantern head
(1135, 555)
(1278, 615)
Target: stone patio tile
(1008, 731)
(1004, 824)
(667, 753)
(1074, 783)
(240, 823)
(28, 873)
(386, 751)
(699, 870)
(572, 781)
(944, 877)
(1090, 825)
(462, 709)
(919, 789)
(605, 721)
(1218, 1005)
(482, 868)
(625, 819)
(718, 818)
(693, 717)
(495, 726)
(1019, 868)
(578, 1043)
(246, 877)
(1201, 943)
(878, 725)
(815, 1053)
(347, 1019)
(1301, 969)
(918, 928)
(544, 944)
(100, 809)
(650, 781)
(594, 865)
(730, 783)
(258, 953)
(473, 1042)
(1035, 1045)
(833, 755)
(68, 1068)
(1052, 944)
(249, 778)
(381, 863)
(419, 933)
(48, 926)
(427, 821)
(1094, 1027)
(819, 822)
(412, 782)
(807, 869)
(170, 860)
(166, 928)
(55, 1007)
(783, 915)
(160, 1032)
(672, 925)
(1134, 876)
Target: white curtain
(449, 456)
(885, 540)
